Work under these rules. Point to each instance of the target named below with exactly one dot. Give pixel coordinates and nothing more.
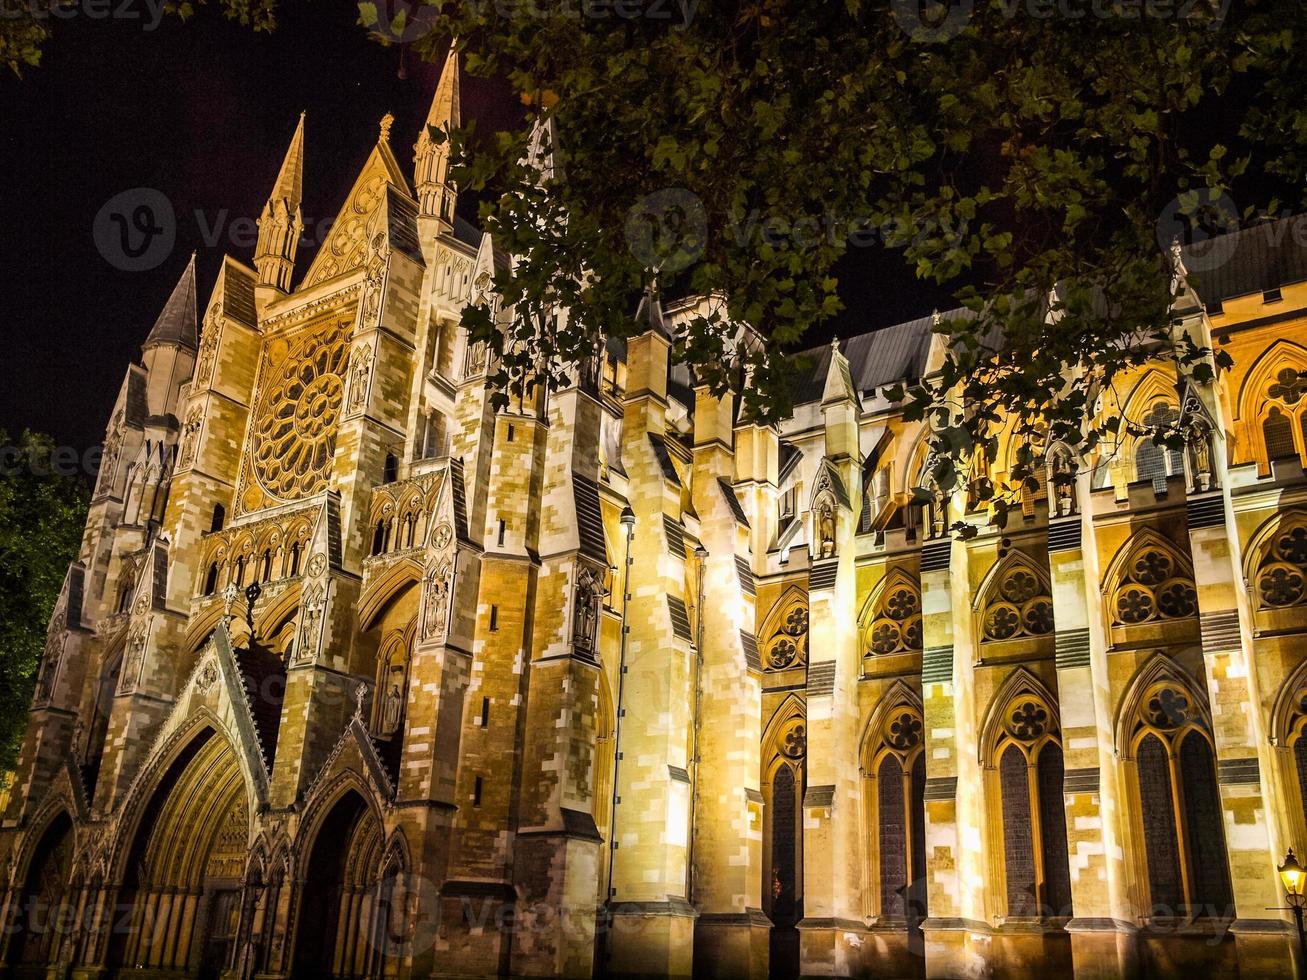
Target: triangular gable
(354, 752)
(346, 248)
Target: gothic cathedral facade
(358, 676)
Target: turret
(281, 222)
(169, 351)
(436, 193)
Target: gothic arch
(41, 888)
(893, 769)
(1178, 855)
(898, 695)
(1158, 670)
(278, 613)
(1150, 578)
(890, 621)
(323, 800)
(390, 585)
(182, 859)
(1275, 562)
(784, 747)
(174, 745)
(1025, 826)
(1277, 356)
(1019, 684)
(1014, 601)
(1289, 736)
(785, 631)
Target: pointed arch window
(894, 623)
(899, 770)
(1152, 461)
(1284, 413)
(1179, 803)
(1017, 604)
(1153, 583)
(1289, 732)
(1282, 570)
(1027, 759)
(786, 631)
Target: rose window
(796, 623)
(295, 437)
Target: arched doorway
(339, 891)
(38, 921)
(183, 873)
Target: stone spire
(176, 323)
(282, 221)
(436, 194)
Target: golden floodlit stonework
(355, 676)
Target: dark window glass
(1278, 434)
(782, 847)
(1018, 852)
(893, 838)
(1209, 875)
(1156, 804)
(1052, 828)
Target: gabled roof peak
(177, 321)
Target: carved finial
(386, 122)
(360, 693)
(935, 319)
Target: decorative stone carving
(1062, 477)
(191, 436)
(1018, 606)
(435, 599)
(295, 433)
(585, 617)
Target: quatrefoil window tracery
(1154, 588)
(1282, 576)
(1019, 606)
(788, 643)
(1028, 720)
(904, 729)
(896, 620)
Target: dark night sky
(203, 112)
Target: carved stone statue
(587, 611)
(393, 705)
(1062, 476)
(1198, 440)
(826, 529)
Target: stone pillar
(832, 845)
(732, 935)
(652, 923)
(1103, 943)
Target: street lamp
(1294, 878)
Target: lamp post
(628, 524)
(1293, 876)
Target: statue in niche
(826, 528)
(588, 593)
(1198, 439)
(437, 600)
(393, 705)
(1062, 475)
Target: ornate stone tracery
(894, 623)
(1154, 583)
(786, 645)
(1018, 602)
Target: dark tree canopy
(1036, 157)
(41, 518)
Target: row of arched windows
(1182, 842)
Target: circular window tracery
(1154, 588)
(896, 620)
(295, 437)
(1019, 606)
(1282, 576)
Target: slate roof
(176, 323)
(1252, 260)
